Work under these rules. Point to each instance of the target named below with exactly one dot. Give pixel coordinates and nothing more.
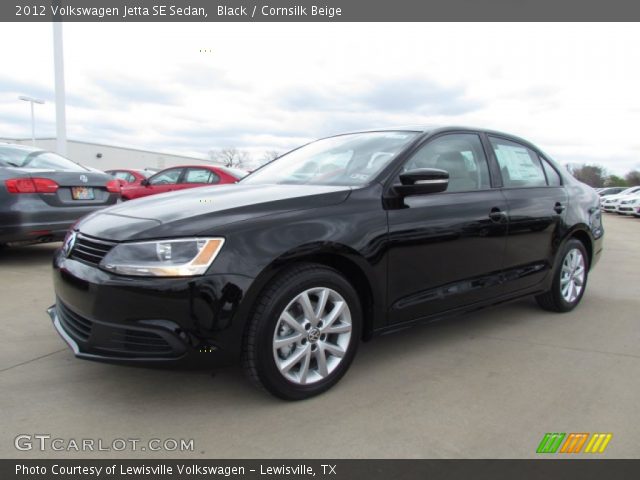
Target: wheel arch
(353, 266)
(581, 233)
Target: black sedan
(340, 240)
(42, 194)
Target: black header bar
(317, 11)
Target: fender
(350, 263)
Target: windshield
(28, 158)
(351, 160)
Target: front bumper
(187, 322)
(625, 210)
(102, 341)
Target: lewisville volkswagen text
(340, 240)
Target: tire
(569, 280)
(284, 357)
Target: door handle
(559, 208)
(497, 215)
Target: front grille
(75, 325)
(90, 250)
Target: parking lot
(488, 384)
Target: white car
(605, 192)
(610, 203)
(629, 205)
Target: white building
(107, 157)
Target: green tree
(633, 178)
(592, 175)
(615, 181)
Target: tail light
(113, 186)
(31, 185)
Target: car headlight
(163, 258)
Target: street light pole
(58, 62)
(32, 100)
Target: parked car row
(42, 193)
(137, 183)
(625, 202)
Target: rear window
(31, 158)
(235, 172)
(519, 166)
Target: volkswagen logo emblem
(68, 244)
(84, 178)
(314, 335)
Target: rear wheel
(303, 333)
(570, 279)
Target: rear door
(537, 204)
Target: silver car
(42, 194)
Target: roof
(433, 129)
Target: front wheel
(569, 281)
(303, 333)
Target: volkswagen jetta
(42, 194)
(343, 239)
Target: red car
(127, 176)
(179, 178)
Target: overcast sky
(573, 89)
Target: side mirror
(422, 181)
(144, 182)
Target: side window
(520, 166)
(461, 155)
(553, 177)
(168, 177)
(200, 175)
(126, 176)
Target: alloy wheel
(572, 275)
(312, 335)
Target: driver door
(447, 249)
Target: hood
(627, 198)
(199, 211)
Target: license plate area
(82, 193)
